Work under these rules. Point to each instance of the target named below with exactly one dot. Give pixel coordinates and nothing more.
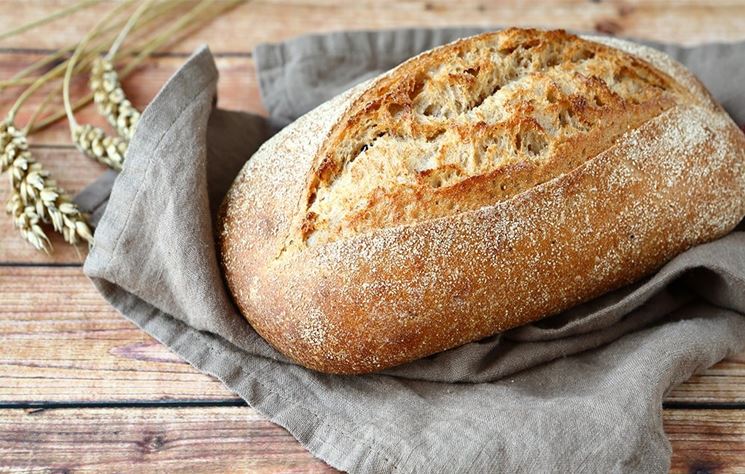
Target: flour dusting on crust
(380, 298)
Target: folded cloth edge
(368, 459)
(324, 437)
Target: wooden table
(83, 389)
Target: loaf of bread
(476, 187)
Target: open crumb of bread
(482, 185)
(475, 124)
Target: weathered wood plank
(221, 439)
(237, 89)
(259, 21)
(677, 22)
(62, 342)
(232, 439)
(724, 382)
(706, 440)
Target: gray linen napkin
(581, 391)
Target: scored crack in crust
(623, 161)
(475, 123)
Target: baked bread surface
(479, 186)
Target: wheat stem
(90, 57)
(165, 35)
(25, 95)
(38, 111)
(151, 15)
(52, 73)
(125, 31)
(183, 22)
(112, 102)
(37, 83)
(41, 80)
(51, 17)
(134, 63)
(90, 140)
(36, 199)
(108, 94)
(76, 54)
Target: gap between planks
(239, 402)
(703, 440)
(223, 439)
(67, 345)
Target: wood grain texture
(63, 343)
(233, 439)
(67, 344)
(706, 441)
(237, 439)
(724, 382)
(274, 20)
(237, 89)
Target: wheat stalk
(195, 19)
(34, 198)
(153, 15)
(94, 143)
(111, 100)
(110, 97)
(53, 16)
(107, 90)
(105, 85)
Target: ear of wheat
(110, 98)
(94, 143)
(106, 88)
(36, 199)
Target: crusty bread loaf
(479, 186)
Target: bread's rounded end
(389, 294)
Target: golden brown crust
(375, 297)
(472, 124)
